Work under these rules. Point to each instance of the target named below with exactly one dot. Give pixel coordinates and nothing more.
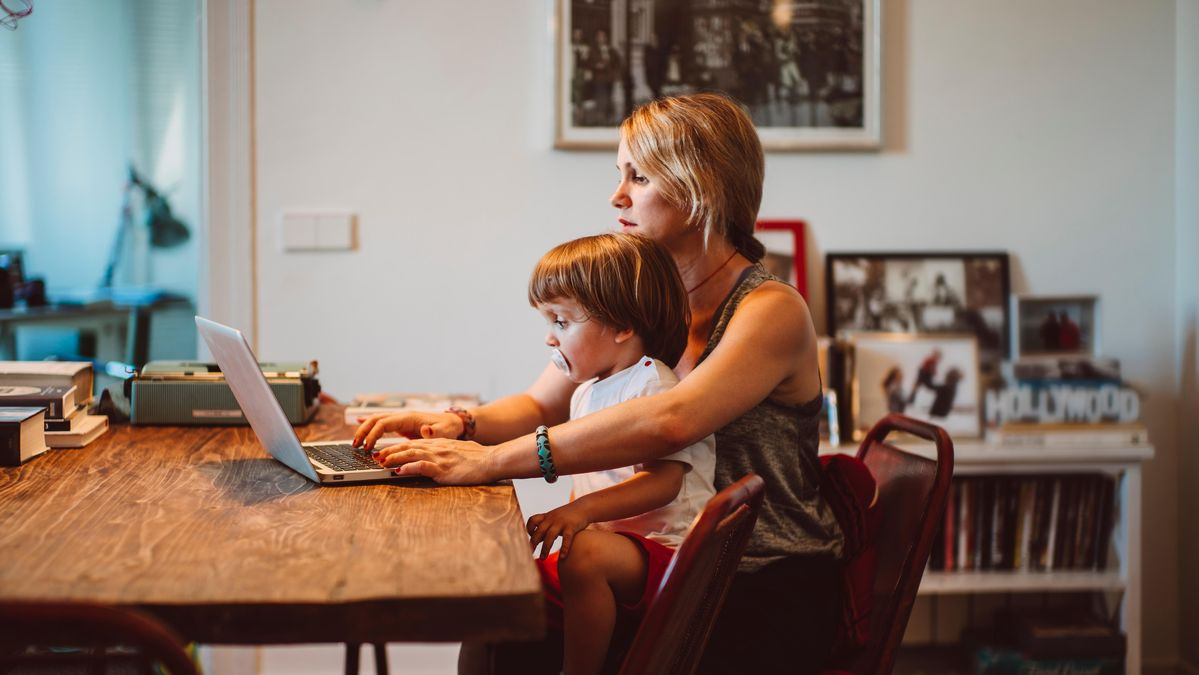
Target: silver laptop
(323, 462)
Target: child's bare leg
(602, 569)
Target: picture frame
(1057, 326)
(923, 292)
(610, 56)
(785, 252)
(932, 377)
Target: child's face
(591, 348)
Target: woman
(691, 171)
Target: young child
(618, 318)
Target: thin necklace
(709, 277)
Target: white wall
(1044, 129)
(1187, 206)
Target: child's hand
(563, 521)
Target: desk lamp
(166, 231)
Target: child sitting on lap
(618, 318)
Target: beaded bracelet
(468, 422)
(544, 458)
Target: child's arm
(654, 486)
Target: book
(58, 400)
(21, 435)
(1106, 517)
(950, 532)
(1070, 435)
(49, 373)
(365, 405)
(89, 429)
(1049, 552)
(69, 420)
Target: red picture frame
(785, 251)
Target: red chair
(912, 493)
(674, 632)
(53, 636)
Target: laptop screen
(254, 395)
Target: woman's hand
(410, 424)
(564, 521)
(444, 460)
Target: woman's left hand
(445, 460)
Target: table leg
(381, 658)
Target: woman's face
(643, 209)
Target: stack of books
(365, 405)
(62, 390)
(1047, 640)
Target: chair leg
(352, 652)
(381, 658)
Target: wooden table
(200, 527)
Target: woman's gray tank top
(779, 443)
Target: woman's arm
(546, 402)
(654, 486)
(769, 347)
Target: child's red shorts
(657, 558)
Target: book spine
(1106, 521)
(56, 425)
(985, 514)
(1055, 509)
(10, 445)
(951, 516)
(963, 556)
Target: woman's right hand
(409, 424)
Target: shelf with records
(1118, 468)
(1029, 523)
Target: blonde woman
(690, 177)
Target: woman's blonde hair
(705, 156)
(624, 281)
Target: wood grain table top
(202, 528)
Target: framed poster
(931, 377)
(784, 242)
(807, 73)
(923, 293)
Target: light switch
(297, 231)
(335, 231)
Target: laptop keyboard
(343, 457)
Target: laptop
(321, 462)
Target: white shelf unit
(974, 458)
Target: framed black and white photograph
(1056, 325)
(922, 293)
(930, 377)
(807, 73)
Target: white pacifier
(560, 361)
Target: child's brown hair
(623, 280)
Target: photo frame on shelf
(1055, 326)
(613, 56)
(785, 252)
(930, 377)
(919, 293)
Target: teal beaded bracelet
(545, 459)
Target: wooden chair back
(56, 635)
(674, 632)
(912, 498)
